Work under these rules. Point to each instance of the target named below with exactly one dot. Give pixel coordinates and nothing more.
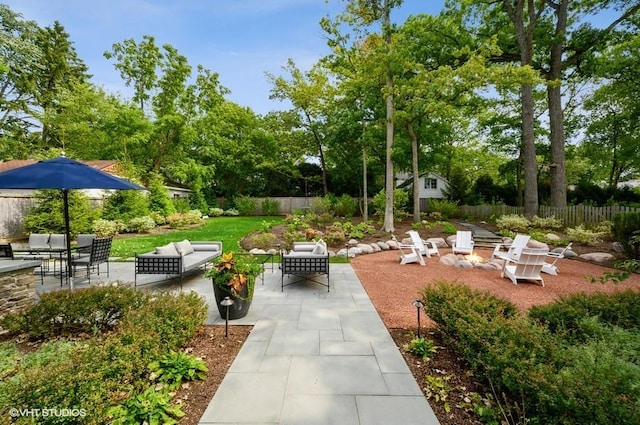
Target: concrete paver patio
(312, 358)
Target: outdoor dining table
(59, 252)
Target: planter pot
(240, 306)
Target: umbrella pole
(65, 197)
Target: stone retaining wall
(17, 290)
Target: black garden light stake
(227, 302)
(418, 305)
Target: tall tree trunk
(416, 172)
(365, 187)
(529, 153)
(323, 163)
(556, 112)
(524, 22)
(390, 180)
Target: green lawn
(229, 230)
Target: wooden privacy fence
(571, 216)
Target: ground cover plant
(100, 369)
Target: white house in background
(633, 183)
(431, 184)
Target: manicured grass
(229, 230)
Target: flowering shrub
(513, 222)
(215, 212)
(547, 222)
(585, 236)
(141, 224)
(104, 228)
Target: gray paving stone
(345, 348)
(275, 364)
(402, 384)
(294, 342)
(337, 375)
(247, 397)
(249, 357)
(364, 326)
(319, 410)
(377, 410)
(331, 335)
(389, 358)
(319, 318)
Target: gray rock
(439, 242)
(376, 247)
(257, 251)
(384, 246)
(450, 240)
(364, 248)
(552, 237)
(537, 244)
(352, 242)
(617, 247)
(392, 244)
(449, 259)
(464, 264)
(598, 257)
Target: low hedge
(71, 313)
(103, 371)
(545, 377)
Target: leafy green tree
(361, 15)
(124, 205)
(159, 198)
(307, 91)
(458, 187)
(21, 57)
(60, 70)
(47, 216)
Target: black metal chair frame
(305, 268)
(100, 250)
(6, 251)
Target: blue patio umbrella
(63, 174)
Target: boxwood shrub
(554, 376)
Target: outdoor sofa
(177, 258)
(306, 260)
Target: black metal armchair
(100, 250)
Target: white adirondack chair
(463, 243)
(514, 250)
(424, 247)
(408, 253)
(527, 267)
(551, 268)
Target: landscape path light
(418, 305)
(227, 302)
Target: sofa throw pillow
(320, 248)
(168, 249)
(184, 247)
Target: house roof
(106, 165)
(409, 180)
(110, 166)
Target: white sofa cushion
(168, 249)
(184, 247)
(320, 248)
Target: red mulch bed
(392, 286)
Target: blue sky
(239, 39)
